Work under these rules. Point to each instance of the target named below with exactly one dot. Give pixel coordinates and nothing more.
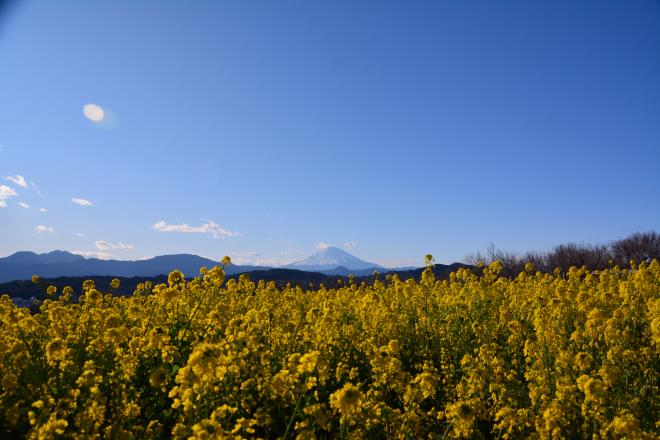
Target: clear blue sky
(403, 127)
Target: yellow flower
(158, 377)
(428, 383)
(308, 361)
(216, 275)
(38, 404)
(112, 321)
(465, 411)
(94, 295)
(67, 294)
(533, 355)
(55, 350)
(583, 360)
(88, 285)
(9, 381)
(175, 277)
(346, 399)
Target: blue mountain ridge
(22, 265)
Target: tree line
(634, 249)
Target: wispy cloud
(42, 210)
(80, 234)
(95, 254)
(207, 228)
(272, 262)
(394, 263)
(36, 188)
(347, 245)
(5, 193)
(245, 254)
(243, 257)
(81, 202)
(23, 205)
(106, 246)
(291, 252)
(18, 180)
(41, 229)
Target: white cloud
(81, 202)
(207, 228)
(272, 262)
(42, 210)
(244, 254)
(41, 229)
(23, 205)
(394, 263)
(291, 252)
(17, 180)
(256, 259)
(94, 112)
(322, 245)
(106, 246)
(5, 193)
(80, 234)
(94, 254)
(36, 188)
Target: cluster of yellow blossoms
(544, 356)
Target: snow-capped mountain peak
(331, 258)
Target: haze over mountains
(22, 265)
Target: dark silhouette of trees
(637, 248)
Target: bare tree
(638, 247)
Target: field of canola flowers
(545, 356)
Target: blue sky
(264, 129)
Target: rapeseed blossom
(562, 355)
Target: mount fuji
(331, 258)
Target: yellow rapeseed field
(545, 356)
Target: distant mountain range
(22, 265)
